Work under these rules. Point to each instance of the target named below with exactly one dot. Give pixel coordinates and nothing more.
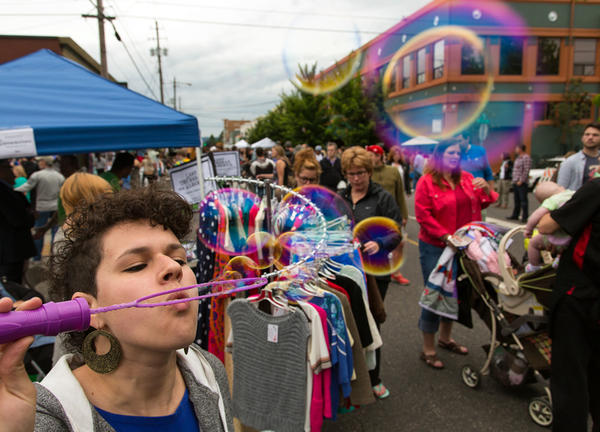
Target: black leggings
(382, 285)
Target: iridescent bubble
(464, 100)
(244, 266)
(293, 217)
(331, 205)
(293, 246)
(386, 232)
(229, 205)
(239, 267)
(339, 40)
(262, 248)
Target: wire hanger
(266, 294)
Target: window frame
(594, 51)
(538, 65)
(438, 72)
(500, 62)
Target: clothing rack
(322, 239)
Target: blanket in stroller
(440, 295)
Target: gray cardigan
(50, 416)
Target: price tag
(273, 333)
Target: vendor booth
(72, 110)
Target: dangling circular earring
(105, 363)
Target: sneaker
(397, 277)
(380, 391)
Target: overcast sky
(233, 58)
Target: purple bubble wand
(52, 318)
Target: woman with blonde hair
(368, 199)
(20, 178)
(80, 188)
(307, 169)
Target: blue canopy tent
(73, 110)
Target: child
(552, 196)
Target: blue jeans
(429, 254)
(42, 219)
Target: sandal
(432, 361)
(452, 346)
(380, 391)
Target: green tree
(352, 115)
(568, 113)
(212, 140)
(348, 115)
(269, 125)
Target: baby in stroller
(552, 196)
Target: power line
(135, 65)
(242, 106)
(135, 50)
(270, 11)
(270, 26)
(234, 24)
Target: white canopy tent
(419, 141)
(264, 143)
(241, 144)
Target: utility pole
(175, 84)
(101, 17)
(158, 52)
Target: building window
(548, 56)
(511, 56)
(394, 78)
(421, 66)
(471, 61)
(584, 57)
(438, 59)
(406, 72)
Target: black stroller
(514, 306)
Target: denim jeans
(42, 219)
(429, 254)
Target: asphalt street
(424, 399)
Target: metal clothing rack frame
(316, 253)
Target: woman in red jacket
(446, 198)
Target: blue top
(475, 161)
(182, 420)
(20, 181)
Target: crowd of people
(109, 230)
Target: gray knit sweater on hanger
(269, 367)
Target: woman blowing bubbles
(116, 250)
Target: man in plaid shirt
(520, 179)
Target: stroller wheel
(540, 411)
(470, 376)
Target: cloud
(236, 70)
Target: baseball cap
(318, 147)
(375, 149)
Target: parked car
(546, 172)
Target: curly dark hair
(75, 260)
